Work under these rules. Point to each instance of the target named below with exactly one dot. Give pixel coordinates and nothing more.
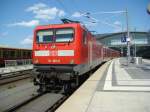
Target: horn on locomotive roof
(64, 20)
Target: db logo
(53, 53)
(53, 46)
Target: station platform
(114, 87)
(7, 70)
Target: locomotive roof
(61, 24)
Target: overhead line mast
(127, 25)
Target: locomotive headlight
(71, 61)
(36, 61)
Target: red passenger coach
(64, 52)
(8, 53)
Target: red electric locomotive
(64, 52)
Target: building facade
(140, 42)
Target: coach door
(90, 54)
(102, 53)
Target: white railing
(21, 62)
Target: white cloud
(118, 27)
(3, 34)
(42, 11)
(27, 40)
(26, 23)
(117, 23)
(89, 24)
(76, 14)
(36, 7)
(61, 13)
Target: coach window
(18, 54)
(0, 53)
(9, 52)
(84, 37)
(6, 54)
(24, 53)
(21, 54)
(12, 53)
(29, 54)
(15, 54)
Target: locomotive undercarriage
(58, 77)
(56, 81)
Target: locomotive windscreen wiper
(68, 42)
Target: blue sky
(19, 17)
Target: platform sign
(124, 39)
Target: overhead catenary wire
(94, 20)
(108, 12)
(63, 6)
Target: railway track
(57, 104)
(14, 108)
(45, 102)
(15, 76)
(50, 104)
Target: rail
(16, 107)
(15, 76)
(57, 104)
(52, 108)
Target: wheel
(42, 88)
(35, 82)
(66, 88)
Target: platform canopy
(140, 42)
(116, 39)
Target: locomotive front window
(64, 35)
(45, 36)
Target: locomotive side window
(45, 36)
(64, 35)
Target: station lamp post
(128, 37)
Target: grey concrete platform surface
(114, 87)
